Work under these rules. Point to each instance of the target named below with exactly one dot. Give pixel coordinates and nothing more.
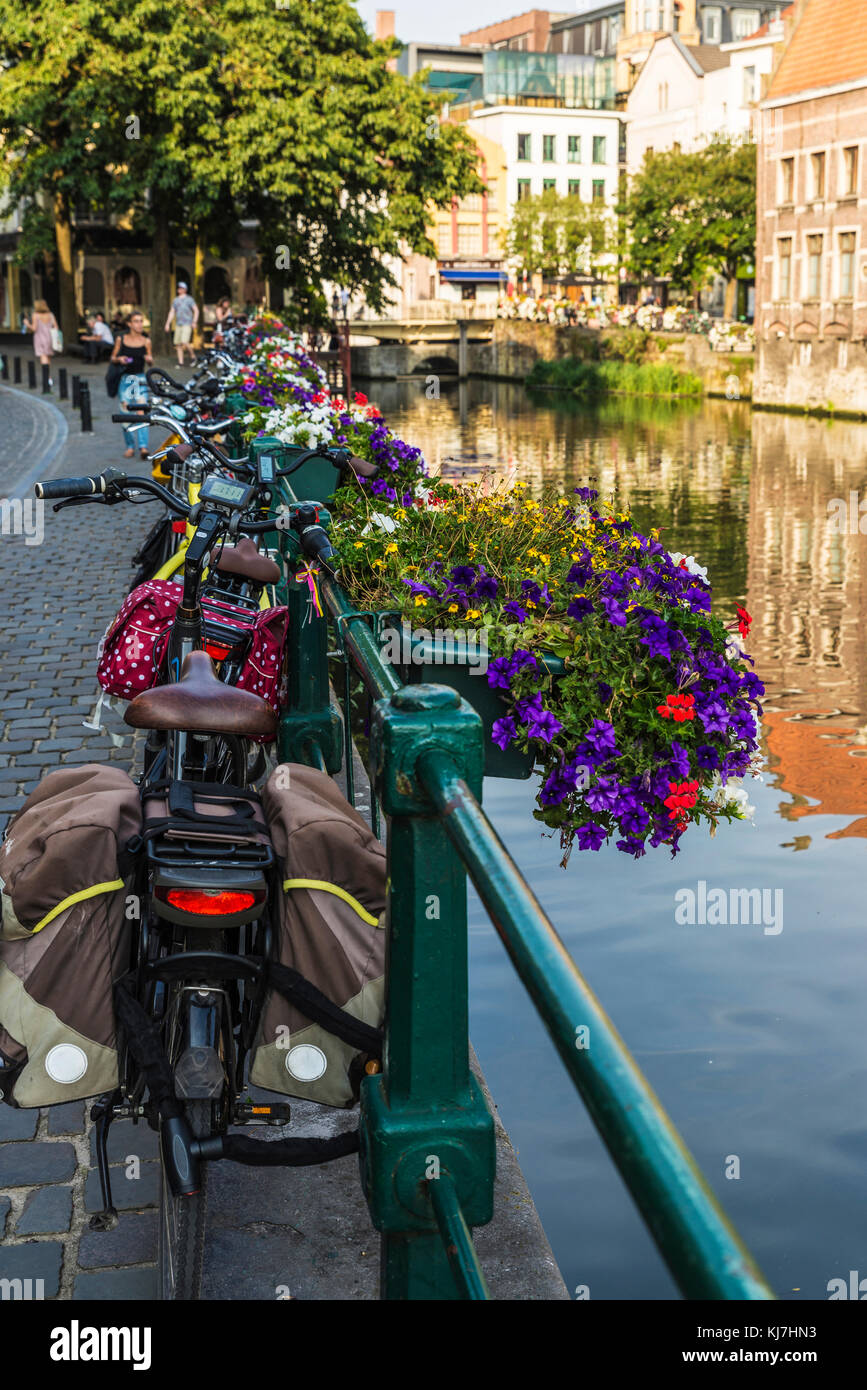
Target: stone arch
(437, 363)
(127, 285)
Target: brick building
(811, 254)
(526, 33)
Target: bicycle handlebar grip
(128, 419)
(69, 487)
(315, 543)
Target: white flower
(383, 522)
(691, 564)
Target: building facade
(812, 215)
(693, 21)
(527, 33)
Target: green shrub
(629, 378)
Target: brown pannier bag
(331, 931)
(65, 934)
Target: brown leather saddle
(199, 703)
(245, 560)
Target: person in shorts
(185, 314)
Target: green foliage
(690, 215)
(627, 345)
(558, 234)
(585, 378)
(194, 115)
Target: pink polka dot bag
(132, 653)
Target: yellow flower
(453, 608)
(359, 545)
(379, 564)
(391, 549)
(546, 559)
(420, 600)
(473, 613)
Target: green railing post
(309, 718)
(425, 1115)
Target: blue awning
(464, 276)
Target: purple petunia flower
(543, 726)
(514, 609)
(707, 757)
(590, 836)
(579, 608)
(614, 613)
(503, 731)
(600, 739)
(714, 718)
(463, 574)
(486, 587)
(499, 673)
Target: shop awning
(467, 276)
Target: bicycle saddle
(201, 704)
(244, 559)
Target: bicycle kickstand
(102, 1112)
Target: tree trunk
(731, 297)
(198, 289)
(68, 315)
(162, 278)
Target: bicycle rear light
(210, 902)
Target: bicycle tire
(182, 1224)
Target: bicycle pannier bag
(331, 931)
(132, 652)
(66, 866)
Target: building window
(599, 190)
(749, 85)
(814, 267)
(573, 149)
(599, 142)
(469, 239)
(850, 171)
(847, 265)
(817, 166)
(548, 184)
(444, 238)
(652, 19)
(744, 23)
(523, 189)
(548, 149)
(524, 147)
(574, 188)
(787, 180)
(675, 147)
(662, 96)
(784, 282)
(712, 24)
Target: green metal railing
(427, 1136)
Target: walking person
(43, 326)
(185, 315)
(132, 351)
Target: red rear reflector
(217, 653)
(179, 527)
(210, 902)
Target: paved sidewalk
(269, 1229)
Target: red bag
(132, 653)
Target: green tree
(693, 215)
(557, 234)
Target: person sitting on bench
(99, 340)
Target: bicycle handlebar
(129, 419)
(70, 487)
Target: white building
(685, 96)
(573, 151)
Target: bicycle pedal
(256, 1113)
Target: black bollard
(63, 390)
(6, 367)
(76, 391)
(31, 374)
(84, 402)
(46, 379)
(16, 371)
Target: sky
(415, 20)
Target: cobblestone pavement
(271, 1232)
(59, 597)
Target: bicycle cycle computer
(265, 465)
(225, 492)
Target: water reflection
(753, 1042)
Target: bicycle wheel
(182, 1223)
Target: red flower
(683, 797)
(744, 621)
(360, 398)
(677, 707)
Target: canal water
(755, 1041)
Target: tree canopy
(191, 117)
(558, 234)
(692, 215)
